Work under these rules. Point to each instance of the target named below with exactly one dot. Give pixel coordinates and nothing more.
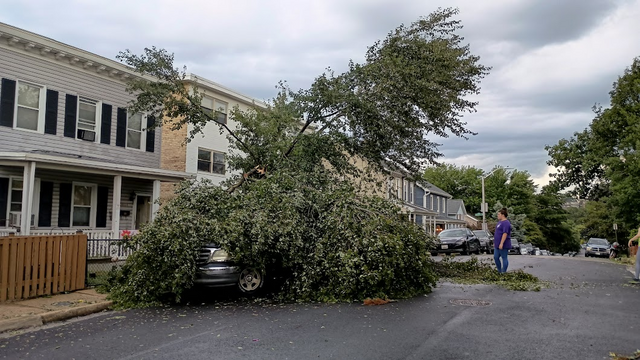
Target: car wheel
(250, 281)
(586, 255)
(434, 254)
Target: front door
(143, 210)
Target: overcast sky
(552, 60)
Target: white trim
(143, 132)
(155, 206)
(213, 86)
(92, 208)
(42, 101)
(98, 117)
(115, 207)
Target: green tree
(462, 182)
(602, 161)
(551, 219)
(294, 206)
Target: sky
(551, 60)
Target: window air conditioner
(15, 218)
(87, 135)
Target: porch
(48, 195)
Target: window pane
(27, 118)
(87, 113)
(81, 216)
(207, 103)
(133, 139)
(16, 207)
(204, 155)
(218, 157)
(204, 165)
(218, 168)
(135, 122)
(82, 195)
(221, 112)
(28, 95)
(16, 184)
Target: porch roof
(418, 210)
(94, 166)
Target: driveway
(587, 312)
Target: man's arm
(635, 237)
(504, 237)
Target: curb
(48, 317)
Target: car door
(473, 240)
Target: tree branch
(306, 125)
(258, 169)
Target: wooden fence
(32, 266)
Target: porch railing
(91, 234)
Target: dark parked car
(515, 247)
(457, 241)
(597, 247)
(215, 268)
(486, 240)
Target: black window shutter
(7, 102)
(51, 113)
(101, 211)
(105, 129)
(121, 127)
(46, 203)
(4, 195)
(151, 134)
(64, 208)
(70, 116)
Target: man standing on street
(502, 241)
(631, 243)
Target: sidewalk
(43, 310)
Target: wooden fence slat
(35, 259)
(74, 262)
(28, 261)
(13, 245)
(41, 264)
(20, 269)
(82, 262)
(48, 268)
(60, 260)
(5, 244)
(67, 265)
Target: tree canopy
(602, 161)
(292, 206)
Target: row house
(205, 154)
(71, 156)
(425, 203)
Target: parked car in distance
(528, 247)
(460, 240)
(486, 240)
(515, 247)
(215, 269)
(597, 247)
(544, 252)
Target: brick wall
(173, 155)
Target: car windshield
(453, 233)
(598, 242)
(481, 233)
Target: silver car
(597, 247)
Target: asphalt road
(589, 310)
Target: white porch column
(115, 211)
(28, 181)
(155, 205)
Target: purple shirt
(503, 227)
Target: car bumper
(598, 253)
(217, 275)
(450, 248)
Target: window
(438, 201)
(209, 104)
(84, 202)
(410, 199)
(136, 134)
(29, 114)
(444, 205)
(210, 161)
(15, 204)
(431, 201)
(87, 119)
(14, 201)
